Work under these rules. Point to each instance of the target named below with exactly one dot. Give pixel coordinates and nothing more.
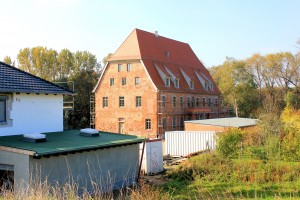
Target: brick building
(152, 84)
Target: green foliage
(236, 85)
(8, 60)
(229, 143)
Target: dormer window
(191, 84)
(168, 81)
(211, 87)
(176, 83)
(206, 86)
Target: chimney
(156, 34)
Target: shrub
(229, 143)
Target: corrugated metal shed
(227, 122)
(183, 143)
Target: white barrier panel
(183, 143)
(153, 157)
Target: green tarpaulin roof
(69, 141)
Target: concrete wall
(107, 118)
(32, 113)
(20, 162)
(109, 168)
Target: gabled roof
(158, 52)
(15, 80)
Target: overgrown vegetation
(259, 162)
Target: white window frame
(111, 81)
(181, 101)
(168, 81)
(137, 80)
(138, 101)
(192, 84)
(104, 102)
(4, 100)
(147, 124)
(176, 83)
(121, 101)
(123, 80)
(129, 67)
(119, 67)
(174, 101)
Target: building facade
(152, 84)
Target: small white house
(29, 104)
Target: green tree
(106, 58)
(236, 85)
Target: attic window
(211, 86)
(119, 67)
(167, 81)
(191, 84)
(176, 83)
(167, 54)
(206, 86)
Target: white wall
(32, 113)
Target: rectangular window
(121, 102)
(123, 81)
(119, 67)
(211, 87)
(168, 81)
(174, 122)
(174, 102)
(128, 67)
(203, 102)
(3, 114)
(209, 102)
(216, 102)
(164, 123)
(176, 83)
(193, 102)
(137, 80)
(206, 86)
(105, 102)
(148, 124)
(188, 102)
(197, 102)
(181, 101)
(111, 81)
(138, 101)
(192, 84)
(163, 101)
(181, 121)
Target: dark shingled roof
(15, 80)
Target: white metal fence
(183, 143)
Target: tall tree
(236, 85)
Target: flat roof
(226, 122)
(66, 142)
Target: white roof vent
(35, 137)
(156, 34)
(89, 132)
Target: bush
(229, 143)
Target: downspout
(141, 162)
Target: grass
(212, 177)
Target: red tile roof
(167, 52)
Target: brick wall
(107, 118)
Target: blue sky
(214, 29)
